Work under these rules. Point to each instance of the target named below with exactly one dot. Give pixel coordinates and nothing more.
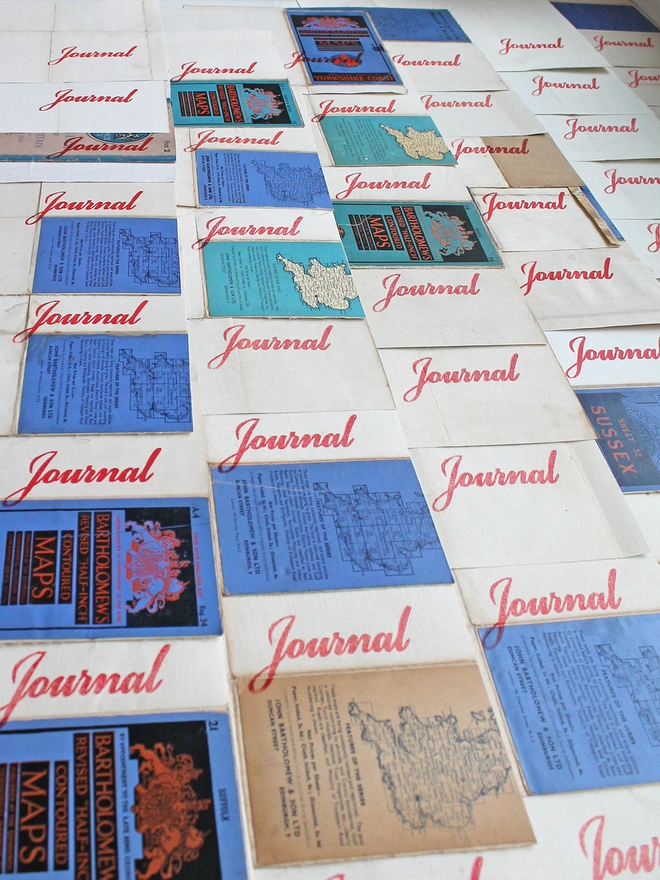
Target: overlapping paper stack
(330, 429)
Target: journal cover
(371, 140)
(234, 103)
(627, 422)
(426, 25)
(260, 179)
(101, 147)
(340, 48)
(107, 255)
(580, 700)
(353, 764)
(279, 280)
(119, 568)
(377, 233)
(325, 526)
(125, 797)
(103, 383)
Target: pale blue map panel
(279, 279)
(325, 526)
(261, 179)
(376, 140)
(103, 384)
(107, 255)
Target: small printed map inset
(160, 386)
(433, 771)
(641, 677)
(286, 184)
(419, 144)
(377, 531)
(320, 285)
(152, 260)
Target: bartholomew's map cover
(127, 798)
(356, 764)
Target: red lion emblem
(153, 567)
(166, 810)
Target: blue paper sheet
(266, 180)
(106, 384)
(606, 17)
(627, 422)
(325, 526)
(581, 700)
(107, 255)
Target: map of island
(160, 386)
(419, 144)
(433, 771)
(286, 184)
(152, 260)
(321, 285)
(377, 530)
(641, 677)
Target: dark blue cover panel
(602, 16)
(325, 526)
(428, 25)
(341, 47)
(107, 569)
(126, 798)
(582, 700)
(627, 421)
(260, 179)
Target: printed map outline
(377, 530)
(433, 771)
(153, 259)
(641, 677)
(160, 386)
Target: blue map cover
(138, 568)
(306, 279)
(107, 255)
(427, 25)
(234, 103)
(602, 16)
(401, 234)
(581, 700)
(374, 140)
(106, 384)
(325, 526)
(340, 47)
(121, 798)
(264, 180)
(627, 422)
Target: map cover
(264, 180)
(101, 147)
(427, 25)
(373, 140)
(107, 255)
(234, 103)
(377, 763)
(138, 568)
(106, 384)
(581, 700)
(121, 798)
(340, 47)
(627, 422)
(606, 17)
(279, 280)
(382, 234)
(325, 526)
